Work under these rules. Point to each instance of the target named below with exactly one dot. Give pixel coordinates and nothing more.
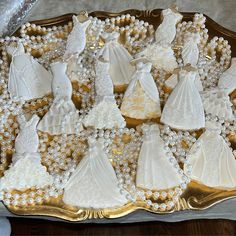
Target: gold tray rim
(192, 199)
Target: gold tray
(196, 197)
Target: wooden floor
(194, 227)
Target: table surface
(217, 9)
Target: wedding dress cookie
(213, 163)
(120, 68)
(184, 108)
(27, 78)
(172, 81)
(76, 41)
(228, 78)
(190, 51)
(26, 170)
(141, 99)
(94, 183)
(160, 52)
(105, 113)
(161, 57)
(166, 31)
(62, 117)
(217, 103)
(155, 171)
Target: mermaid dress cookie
(62, 117)
(26, 170)
(105, 113)
(160, 52)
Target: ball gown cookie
(228, 78)
(141, 99)
(217, 103)
(190, 51)
(213, 163)
(184, 109)
(27, 78)
(120, 68)
(155, 171)
(26, 170)
(94, 183)
(105, 112)
(62, 117)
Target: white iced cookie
(26, 170)
(172, 81)
(141, 99)
(166, 31)
(184, 109)
(190, 51)
(211, 159)
(105, 114)
(228, 78)
(217, 103)
(161, 57)
(27, 78)
(119, 58)
(62, 117)
(160, 52)
(94, 183)
(76, 41)
(155, 171)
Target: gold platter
(196, 196)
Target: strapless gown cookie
(94, 183)
(155, 171)
(141, 99)
(190, 51)
(213, 163)
(184, 109)
(26, 170)
(62, 117)
(76, 40)
(105, 114)
(27, 78)
(217, 103)
(228, 78)
(120, 68)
